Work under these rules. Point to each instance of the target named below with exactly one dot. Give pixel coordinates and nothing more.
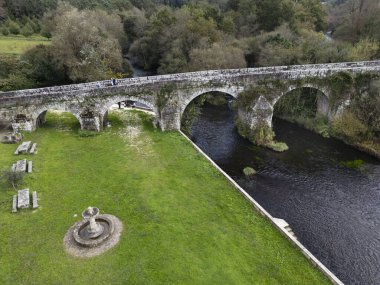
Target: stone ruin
(22, 200)
(12, 138)
(27, 148)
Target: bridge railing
(194, 76)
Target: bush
(27, 30)
(277, 146)
(5, 31)
(13, 178)
(249, 171)
(13, 27)
(349, 127)
(262, 134)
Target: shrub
(277, 146)
(249, 171)
(13, 178)
(27, 30)
(349, 127)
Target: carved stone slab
(35, 200)
(14, 204)
(33, 150)
(23, 148)
(23, 200)
(30, 166)
(21, 166)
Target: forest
(88, 40)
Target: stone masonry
(168, 95)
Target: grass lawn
(18, 45)
(183, 222)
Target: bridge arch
(322, 97)
(116, 99)
(39, 116)
(231, 91)
(106, 105)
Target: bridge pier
(169, 118)
(254, 119)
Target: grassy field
(18, 45)
(183, 222)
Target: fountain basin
(84, 238)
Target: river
(333, 210)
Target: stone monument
(93, 235)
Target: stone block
(23, 199)
(14, 204)
(33, 149)
(23, 148)
(35, 200)
(30, 166)
(21, 166)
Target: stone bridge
(256, 89)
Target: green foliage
(349, 127)
(262, 134)
(354, 164)
(165, 93)
(340, 85)
(16, 81)
(216, 57)
(12, 178)
(87, 44)
(13, 27)
(27, 30)
(365, 49)
(249, 171)
(298, 103)
(191, 114)
(42, 66)
(277, 146)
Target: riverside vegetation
(183, 222)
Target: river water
(333, 210)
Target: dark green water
(333, 210)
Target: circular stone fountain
(93, 235)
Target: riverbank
(321, 127)
(184, 223)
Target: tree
(356, 19)
(86, 44)
(42, 66)
(216, 57)
(365, 49)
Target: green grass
(18, 45)
(183, 222)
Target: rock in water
(249, 171)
